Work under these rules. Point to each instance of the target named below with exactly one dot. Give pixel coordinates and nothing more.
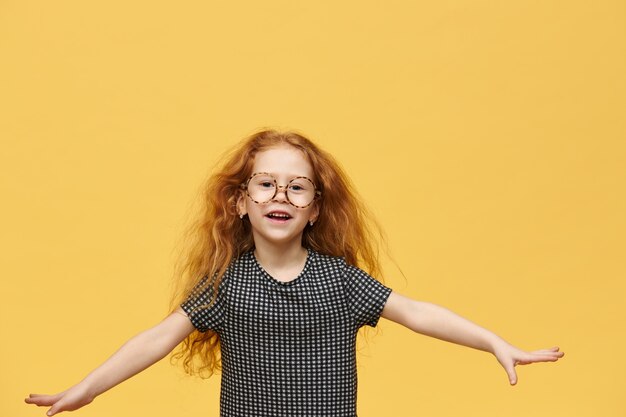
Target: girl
(271, 291)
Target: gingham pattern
(288, 349)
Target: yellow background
(488, 138)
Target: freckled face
(278, 222)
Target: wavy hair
(217, 235)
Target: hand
(509, 356)
(68, 400)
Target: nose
(280, 190)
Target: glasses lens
(261, 188)
(300, 192)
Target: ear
(315, 212)
(242, 209)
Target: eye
(266, 184)
(300, 186)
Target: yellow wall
(488, 137)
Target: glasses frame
(277, 188)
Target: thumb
(56, 408)
(510, 370)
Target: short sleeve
(204, 312)
(366, 296)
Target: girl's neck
(281, 262)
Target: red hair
(343, 228)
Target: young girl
(274, 291)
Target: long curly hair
(217, 235)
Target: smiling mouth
(278, 216)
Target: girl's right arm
(134, 356)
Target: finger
(33, 396)
(538, 357)
(59, 394)
(547, 353)
(510, 371)
(42, 399)
(550, 350)
(56, 408)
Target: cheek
(253, 210)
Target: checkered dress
(288, 348)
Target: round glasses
(262, 188)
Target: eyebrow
(290, 177)
(278, 175)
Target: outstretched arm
(133, 357)
(435, 321)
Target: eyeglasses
(262, 188)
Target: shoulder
(339, 267)
(239, 266)
(327, 262)
(243, 261)
(335, 265)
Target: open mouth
(278, 216)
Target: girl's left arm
(435, 321)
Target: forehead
(283, 161)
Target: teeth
(279, 215)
